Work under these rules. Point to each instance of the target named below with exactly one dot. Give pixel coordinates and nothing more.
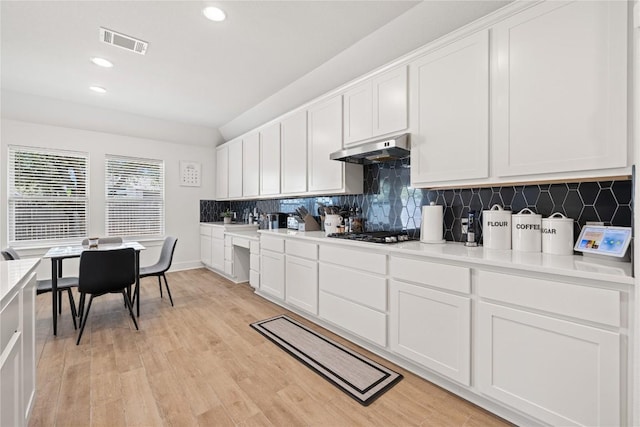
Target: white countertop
(568, 265)
(12, 273)
(233, 225)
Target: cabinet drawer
(217, 232)
(254, 262)
(597, 305)
(206, 230)
(443, 276)
(272, 244)
(363, 288)
(240, 241)
(354, 258)
(362, 321)
(302, 249)
(9, 321)
(254, 247)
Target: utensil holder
(310, 224)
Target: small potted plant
(227, 216)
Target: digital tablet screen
(611, 241)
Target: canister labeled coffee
(526, 231)
(557, 235)
(496, 228)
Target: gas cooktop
(375, 236)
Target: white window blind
(135, 196)
(48, 194)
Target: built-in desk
(226, 249)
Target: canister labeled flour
(496, 228)
(526, 231)
(557, 235)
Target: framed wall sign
(190, 173)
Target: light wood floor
(199, 363)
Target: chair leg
(81, 307)
(84, 318)
(160, 285)
(130, 307)
(59, 302)
(168, 291)
(72, 304)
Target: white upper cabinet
(559, 88)
(358, 113)
(325, 137)
(251, 165)
(222, 172)
(376, 106)
(270, 160)
(390, 101)
(235, 169)
(450, 112)
(294, 153)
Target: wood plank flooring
(199, 363)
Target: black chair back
(106, 271)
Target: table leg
(54, 293)
(138, 283)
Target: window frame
(12, 151)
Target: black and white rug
(359, 377)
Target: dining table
(59, 253)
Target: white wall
(413, 29)
(182, 207)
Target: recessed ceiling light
(101, 62)
(98, 89)
(214, 14)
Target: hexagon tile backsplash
(389, 202)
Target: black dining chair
(45, 285)
(163, 264)
(103, 272)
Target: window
(135, 196)
(48, 194)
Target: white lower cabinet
(431, 328)
(302, 275)
(28, 347)
(354, 299)
(272, 275)
(254, 264)
(10, 383)
(560, 372)
(217, 254)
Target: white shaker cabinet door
(217, 254)
(358, 114)
(272, 273)
(222, 172)
(325, 137)
(205, 250)
(270, 160)
(251, 165)
(560, 88)
(235, 169)
(294, 153)
(28, 347)
(302, 283)
(450, 112)
(432, 328)
(559, 372)
(390, 101)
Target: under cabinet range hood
(383, 150)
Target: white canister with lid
(557, 235)
(496, 228)
(526, 231)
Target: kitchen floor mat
(358, 376)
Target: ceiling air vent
(123, 41)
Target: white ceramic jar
(557, 235)
(331, 223)
(496, 228)
(526, 231)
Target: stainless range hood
(384, 150)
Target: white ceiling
(195, 71)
